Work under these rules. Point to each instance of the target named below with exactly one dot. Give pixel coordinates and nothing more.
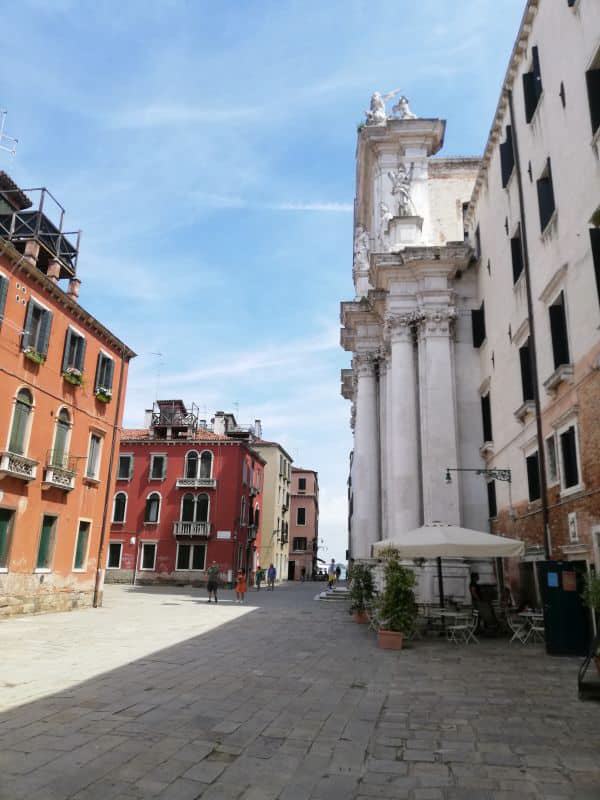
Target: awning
(438, 540)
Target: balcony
(59, 472)
(181, 528)
(15, 466)
(196, 483)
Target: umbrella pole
(440, 581)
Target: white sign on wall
(223, 534)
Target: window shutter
(517, 256)
(526, 372)
(507, 157)
(44, 338)
(68, 338)
(492, 504)
(130, 471)
(592, 77)
(3, 293)
(486, 416)
(478, 324)
(595, 240)
(533, 477)
(110, 367)
(26, 337)
(81, 345)
(545, 192)
(569, 457)
(558, 330)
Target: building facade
(534, 222)
(62, 383)
(304, 524)
(272, 545)
(185, 496)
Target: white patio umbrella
(438, 540)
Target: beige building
(304, 524)
(272, 546)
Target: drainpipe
(533, 349)
(99, 570)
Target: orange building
(62, 385)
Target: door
(566, 619)
(291, 570)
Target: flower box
(33, 355)
(103, 395)
(73, 376)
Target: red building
(185, 496)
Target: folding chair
(536, 632)
(464, 630)
(518, 628)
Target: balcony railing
(59, 471)
(16, 466)
(196, 483)
(181, 528)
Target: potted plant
(73, 376)
(103, 395)
(591, 597)
(32, 354)
(361, 592)
(397, 607)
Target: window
(477, 243)
(61, 439)
(492, 504)
(569, 472)
(507, 157)
(478, 324)
(558, 331)
(46, 543)
(81, 546)
(158, 467)
(125, 467)
(74, 354)
(119, 507)
(206, 460)
(595, 240)
(114, 555)
(3, 294)
(516, 255)
(300, 516)
(486, 416)
(21, 423)
(592, 77)
(190, 556)
(191, 465)
(545, 192)
(551, 463)
(194, 509)
(299, 543)
(152, 512)
(532, 85)
(243, 511)
(93, 462)
(104, 374)
(526, 371)
(533, 476)
(6, 524)
(301, 485)
(36, 332)
(148, 555)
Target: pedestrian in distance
(213, 581)
(240, 586)
(259, 578)
(303, 574)
(331, 573)
(271, 575)
(338, 572)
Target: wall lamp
(495, 474)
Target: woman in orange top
(240, 586)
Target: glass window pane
(92, 465)
(46, 546)
(119, 510)
(158, 466)
(183, 556)
(202, 508)
(187, 508)
(148, 554)
(198, 556)
(152, 508)
(191, 467)
(205, 465)
(6, 518)
(83, 536)
(124, 466)
(114, 555)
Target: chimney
(32, 251)
(258, 429)
(73, 290)
(53, 271)
(148, 418)
(219, 423)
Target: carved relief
(437, 322)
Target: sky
(206, 150)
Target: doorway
(291, 570)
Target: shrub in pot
(591, 597)
(361, 591)
(397, 606)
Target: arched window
(206, 460)
(61, 439)
(202, 508)
(120, 507)
(152, 507)
(21, 422)
(188, 508)
(191, 465)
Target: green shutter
(5, 525)
(98, 369)
(81, 353)
(44, 337)
(45, 547)
(82, 543)
(110, 368)
(3, 293)
(19, 428)
(66, 354)
(26, 337)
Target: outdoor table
(532, 619)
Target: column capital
(399, 327)
(364, 364)
(437, 322)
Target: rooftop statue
(402, 110)
(376, 114)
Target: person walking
(271, 575)
(259, 577)
(331, 573)
(303, 574)
(213, 581)
(240, 586)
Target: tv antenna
(7, 143)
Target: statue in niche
(401, 179)
(386, 217)
(377, 114)
(402, 110)
(361, 248)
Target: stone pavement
(158, 695)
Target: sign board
(223, 534)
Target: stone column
(383, 442)
(365, 468)
(438, 415)
(404, 494)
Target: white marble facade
(414, 369)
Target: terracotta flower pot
(389, 640)
(361, 617)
